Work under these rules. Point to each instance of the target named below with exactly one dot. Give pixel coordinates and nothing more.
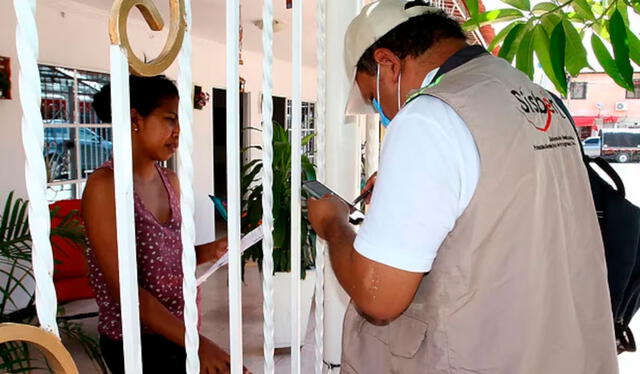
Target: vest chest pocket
(404, 336)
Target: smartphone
(318, 190)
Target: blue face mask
(376, 101)
(383, 118)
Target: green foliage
(15, 270)
(251, 187)
(554, 31)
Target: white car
(592, 146)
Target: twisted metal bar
(233, 183)
(267, 183)
(185, 174)
(125, 222)
(296, 182)
(35, 170)
(320, 161)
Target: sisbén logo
(532, 106)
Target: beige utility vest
(519, 285)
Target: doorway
(219, 101)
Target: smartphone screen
(318, 190)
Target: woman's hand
(211, 251)
(220, 247)
(213, 359)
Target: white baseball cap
(373, 22)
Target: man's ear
(386, 58)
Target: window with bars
(578, 90)
(308, 126)
(636, 90)
(76, 142)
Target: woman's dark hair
(146, 94)
(412, 38)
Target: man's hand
(325, 212)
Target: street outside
(630, 174)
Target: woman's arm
(98, 213)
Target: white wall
(75, 35)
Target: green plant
(17, 275)
(555, 30)
(251, 188)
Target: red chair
(71, 273)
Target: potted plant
(252, 206)
(16, 282)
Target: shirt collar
(429, 78)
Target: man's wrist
(338, 230)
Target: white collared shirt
(429, 170)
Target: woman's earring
(135, 129)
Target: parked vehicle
(592, 146)
(60, 152)
(621, 145)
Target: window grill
(76, 141)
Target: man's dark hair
(412, 38)
(145, 93)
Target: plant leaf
(511, 42)
(492, 16)
(307, 139)
(606, 60)
(550, 21)
(557, 46)
(636, 5)
(502, 34)
(543, 46)
(634, 47)
(620, 44)
(576, 55)
(583, 9)
(520, 4)
(621, 7)
(472, 5)
(524, 58)
(542, 8)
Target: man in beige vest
(480, 252)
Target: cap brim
(356, 104)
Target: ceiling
(209, 23)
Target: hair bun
(102, 103)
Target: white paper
(248, 240)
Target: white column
(233, 183)
(342, 159)
(372, 150)
(296, 181)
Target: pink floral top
(159, 255)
